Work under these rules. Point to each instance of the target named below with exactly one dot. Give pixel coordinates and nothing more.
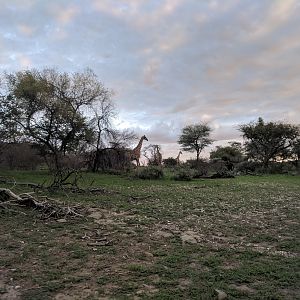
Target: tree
(153, 155)
(194, 138)
(102, 127)
(232, 153)
(268, 141)
(112, 153)
(49, 108)
(295, 151)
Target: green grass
(169, 240)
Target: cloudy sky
(169, 62)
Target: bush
(170, 162)
(149, 173)
(218, 166)
(200, 168)
(281, 168)
(248, 167)
(184, 174)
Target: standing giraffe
(135, 153)
(177, 158)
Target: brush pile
(46, 207)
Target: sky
(170, 63)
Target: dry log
(48, 209)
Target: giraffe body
(178, 158)
(135, 153)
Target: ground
(204, 239)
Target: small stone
(17, 287)
(243, 288)
(61, 220)
(163, 234)
(189, 237)
(221, 295)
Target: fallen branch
(48, 208)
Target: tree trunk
(198, 154)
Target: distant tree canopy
(194, 138)
(270, 141)
(232, 153)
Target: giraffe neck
(138, 148)
(178, 156)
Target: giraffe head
(180, 152)
(144, 138)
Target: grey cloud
(170, 62)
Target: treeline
(64, 121)
(264, 142)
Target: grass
(169, 240)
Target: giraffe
(177, 158)
(158, 156)
(135, 153)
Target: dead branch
(48, 208)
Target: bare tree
(153, 155)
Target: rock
(163, 234)
(61, 220)
(242, 288)
(221, 295)
(190, 237)
(184, 283)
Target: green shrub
(281, 168)
(149, 173)
(247, 167)
(199, 168)
(184, 174)
(170, 162)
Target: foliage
(150, 172)
(267, 142)
(184, 174)
(169, 162)
(296, 150)
(48, 108)
(232, 153)
(248, 167)
(281, 168)
(194, 138)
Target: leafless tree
(152, 153)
